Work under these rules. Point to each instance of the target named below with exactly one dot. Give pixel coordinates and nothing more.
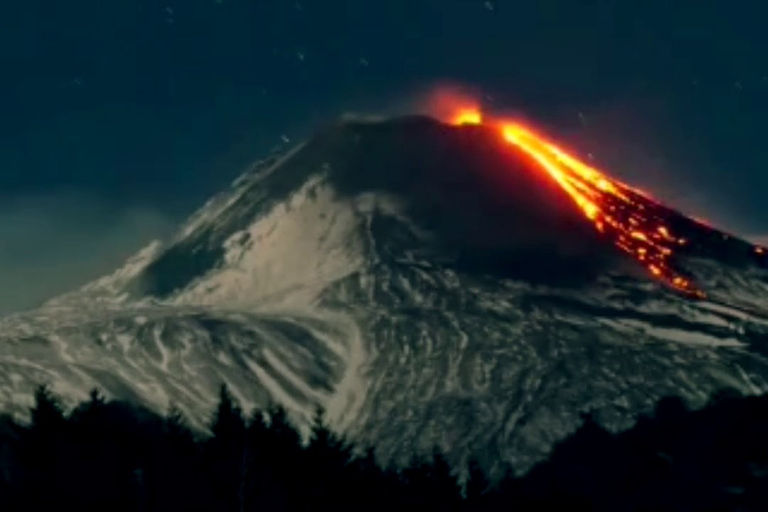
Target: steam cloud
(53, 243)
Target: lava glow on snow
(617, 210)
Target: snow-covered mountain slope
(422, 282)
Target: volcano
(464, 287)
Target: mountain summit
(429, 285)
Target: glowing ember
(615, 209)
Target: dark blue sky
(141, 109)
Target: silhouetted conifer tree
(111, 456)
(47, 415)
(175, 427)
(227, 453)
(325, 469)
(10, 479)
(477, 483)
(45, 449)
(444, 489)
(173, 477)
(228, 424)
(367, 478)
(280, 459)
(93, 451)
(430, 483)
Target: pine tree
(47, 414)
(228, 423)
(327, 463)
(477, 482)
(175, 427)
(279, 459)
(45, 443)
(228, 455)
(172, 476)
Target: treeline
(111, 456)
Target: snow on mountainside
(420, 281)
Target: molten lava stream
(614, 208)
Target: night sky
(119, 117)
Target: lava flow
(623, 214)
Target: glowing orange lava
(615, 209)
(468, 116)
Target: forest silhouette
(113, 456)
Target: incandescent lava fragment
(625, 215)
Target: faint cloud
(759, 239)
(362, 117)
(50, 244)
(436, 98)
